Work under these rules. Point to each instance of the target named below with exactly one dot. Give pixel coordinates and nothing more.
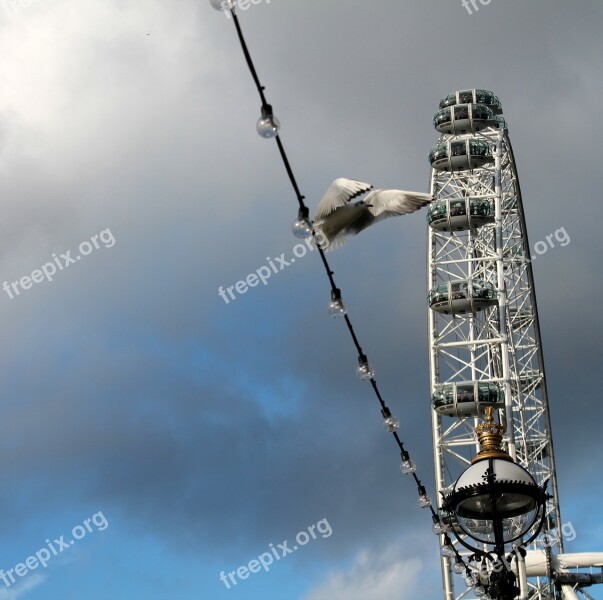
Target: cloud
(393, 573)
(23, 587)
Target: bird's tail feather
(335, 243)
(321, 239)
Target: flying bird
(336, 216)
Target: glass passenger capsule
(462, 296)
(460, 155)
(473, 97)
(500, 122)
(464, 118)
(456, 214)
(466, 398)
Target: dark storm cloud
(132, 383)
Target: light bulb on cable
(407, 466)
(439, 528)
(448, 551)
(424, 499)
(468, 579)
(458, 567)
(268, 125)
(223, 4)
(337, 308)
(479, 591)
(365, 370)
(302, 228)
(390, 422)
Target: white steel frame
(498, 345)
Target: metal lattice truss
(499, 345)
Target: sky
(180, 436)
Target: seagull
(336, 217)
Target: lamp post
(496, 502)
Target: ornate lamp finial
(490, 435)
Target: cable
(391, 422)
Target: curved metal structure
(484, 334)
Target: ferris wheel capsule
(461, 154)
(466, 398)
(459, 214)
(462, 296)
(463, 118)
(474, 96)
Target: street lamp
(496, 502)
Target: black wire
(281, 148)
(360, 353)
(248, 57)
(329, 272)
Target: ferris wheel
(484, 333)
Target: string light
(424, 499)
(336, 307)
(458, 567)
(223, 4)
(364, 370)
(268, 126)
(302, 228)
(407, 467)
(390, 422)
(438, 527)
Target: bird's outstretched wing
(340, 192)
(389, 203)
